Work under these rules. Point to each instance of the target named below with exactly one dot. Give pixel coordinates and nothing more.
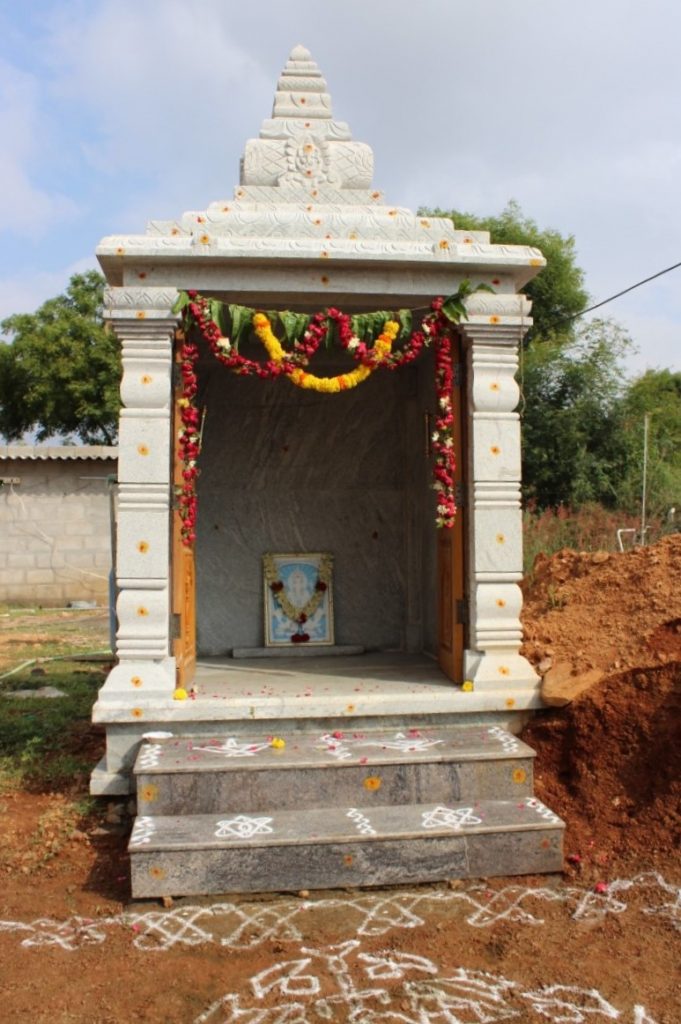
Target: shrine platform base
(287, 694)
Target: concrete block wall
(55, 537)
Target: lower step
(332, 848)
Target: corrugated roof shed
(48, 452)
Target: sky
(114, 112)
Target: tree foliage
(575, 446)
(657, 394)
(582, 420)
(60, 368)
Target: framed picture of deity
(298, 599)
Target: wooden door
(183, 619)
(450, 552)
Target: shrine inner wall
(287, 470)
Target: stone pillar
(492, 335)
(144, 323)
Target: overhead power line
(575, 316)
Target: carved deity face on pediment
(308, 162)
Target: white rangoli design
(356, 996)
(246, 926)
(542, 810)
(509, 743)
(150, 755)
(449, 817)
(362, 823)
(231, 748)
(339, 747)
(243, 827)
(143, 832)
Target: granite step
(342, 846)
(317, 769)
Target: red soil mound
(610, 762)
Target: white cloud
(25, 207)
(168, 92)
(23, 293)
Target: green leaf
(240, 317)
(454, 310)
(215, 311)
(180, 303)
(359, 325)
(331, 333)
(406, 320)
(294, 324)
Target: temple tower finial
(301, 145)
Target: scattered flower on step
(467, 686)
(601, 887)
(180, 693)
(278, 743)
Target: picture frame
(298, 586)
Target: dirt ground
(598, 943)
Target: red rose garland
(435, 329)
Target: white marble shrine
(305, 229)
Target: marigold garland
(435, 329)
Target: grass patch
(589, 528)
(49, 743)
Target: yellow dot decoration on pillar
(519, 776)
(140, 314)
(372, 783)
(500, 539)
(142, 611)
(137, 712)
(510, 702)
(495, 449)
(494, 386)
(504, 670)
(146, 378)
(143, 547)
(136, 682)
(501, 603)
(142, 449)
(494, 319)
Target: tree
(60, 369)
(657, 394)
(575, 444)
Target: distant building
(55, 532)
